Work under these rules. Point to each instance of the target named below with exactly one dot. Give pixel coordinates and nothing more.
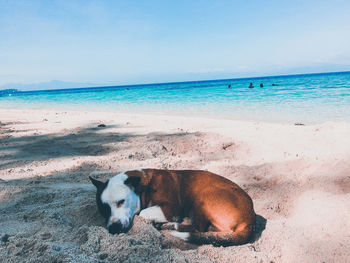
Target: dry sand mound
(45, 221)
(48, 211)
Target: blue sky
(119, 42)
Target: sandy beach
(297, 175)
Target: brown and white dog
(220, 212)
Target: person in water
(229, 86)
(261, 85)
(251, 85)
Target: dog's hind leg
(185, 226)
(174, 226)
(229, 238)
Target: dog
(203, 207)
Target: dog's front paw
(157, 225)
(170, 226)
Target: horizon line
(189, 81)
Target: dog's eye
(120, 202)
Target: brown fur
(209, 200)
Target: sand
(297, 175)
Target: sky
(129, 42)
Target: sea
(308, 98)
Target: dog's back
(219, 209)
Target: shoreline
(279, 118)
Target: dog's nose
(115, 228)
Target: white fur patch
(115, 191)
(153, 213)
(182, 235)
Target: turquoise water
(299, 98)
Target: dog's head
(118, 201)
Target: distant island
(53, 84)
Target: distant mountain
(53, 84)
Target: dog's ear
(97, 183)
(133, 181)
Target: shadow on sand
(55, 207)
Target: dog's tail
(217, 238)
